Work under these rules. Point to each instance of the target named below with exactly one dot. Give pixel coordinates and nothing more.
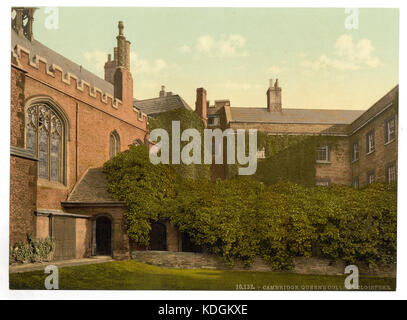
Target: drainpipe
(76, 142)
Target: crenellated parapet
(68, 82)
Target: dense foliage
(288, 157)
(33, 250)
(146, 188)
(188, 119)
(241, 218)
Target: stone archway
(103, 235)
(158, 237)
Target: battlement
(81, 89)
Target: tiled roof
(374, 110)
(163, 104)
(67, 65)
(92, 188)
(300, 116)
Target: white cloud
(230, 46)
(276, 70)
(347, 55)
(205, 44)
(96, 60)
(140, 65)
(226, 46)
(240, 86)
(185, 49)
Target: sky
(233, 52)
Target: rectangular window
(371, 177)
(213, 121)
(390, 130)
(322, 182)
(370, 143)
(391, 174)
(355, 182)
(323, 154)
(261, 154)
(355, 151)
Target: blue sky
(233, 52)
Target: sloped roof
(162, 104)
(300, 116)
(376, 109)
(52, 57)
(92, 188)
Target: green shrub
(33, 250)
(242, 218)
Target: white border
(210, 295)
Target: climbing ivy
(188, 119)
(242, 218)
(288, 157)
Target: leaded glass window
(44, 138)
(114, 144)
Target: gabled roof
(386, 101)
(298, 116)
(52, 57)
(155, 106)
(92, 188)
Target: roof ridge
(156, 98)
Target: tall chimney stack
(274, 97)
(123, 80)
(201, 104)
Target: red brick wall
(23, 176)
(17, 108)
(120, 239)
(23, 172)
(91, 122)
(338, 170)
(83, 232)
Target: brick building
(367, 140)
(66, 122)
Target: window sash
(370, 142)
(323, 154)
(390, 130)
(355, 151)
(44, 134)
(371, 178)
(391, 174)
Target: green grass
(132, 275)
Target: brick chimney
(162, 92)
(201, 104)
(123, 80)
(274, 97)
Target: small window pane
(391, 174)
(43, 154)
(30, 139)
(55, 151)
(323, 154)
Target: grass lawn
(132, 275)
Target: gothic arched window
(114, 144)
(45, 138)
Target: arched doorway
(158, 237)
(188, 245)
(103, 236)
